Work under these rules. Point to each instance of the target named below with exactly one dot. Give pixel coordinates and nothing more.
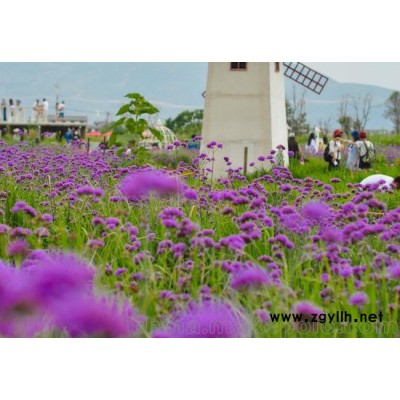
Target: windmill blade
(305, 76)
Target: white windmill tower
(245, 108)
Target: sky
(384, 74)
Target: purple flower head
(346, 271)
(90, 317)
(233, 242)
(25, 208)
(18, 247)
(4, 229)
(325, 277)
(210, 319)
(89, 191)
(358, 299)
(190, 194)
(393, 271)
(120, 271)
(307, 309)
(112, 223)
(46, 218)
(315, 211)
(54, 276)
(141, 184)
(262, 316)
(286, 188)
(97, 221)
(250, 277)
(12, 289)
(331, 234)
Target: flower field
(92, 244)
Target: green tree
(187, 123)
(392, 110)
(133, 118)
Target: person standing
(294, 147)
(367, 152)
(60, 110)
(4, 109)
(12, 109)
(68, 135)
(335, 150)
(353, 158)
(19, 111)
(36, 110)
(312, 145)
(45, 108)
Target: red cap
(363, 135)
(337, 133)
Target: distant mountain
(325, 106)
(95, 89)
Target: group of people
(12, 111)
(40, 110)
(361, 151)
(361, 154)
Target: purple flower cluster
(210, 319)
(55, 293)
(141, 184)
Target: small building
(16, 119)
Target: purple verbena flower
(141, 184)
(250, 277)
(358, 299)
(210, 319)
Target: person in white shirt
(353, 158)
(335, 149)
(60, 110)
(45, 108)
(311, 145)
(37, 111)
(380, 181)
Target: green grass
(301, 272)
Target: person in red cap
(335, 149)
(367, 152)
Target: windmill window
(238, 66)
(305, 76)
